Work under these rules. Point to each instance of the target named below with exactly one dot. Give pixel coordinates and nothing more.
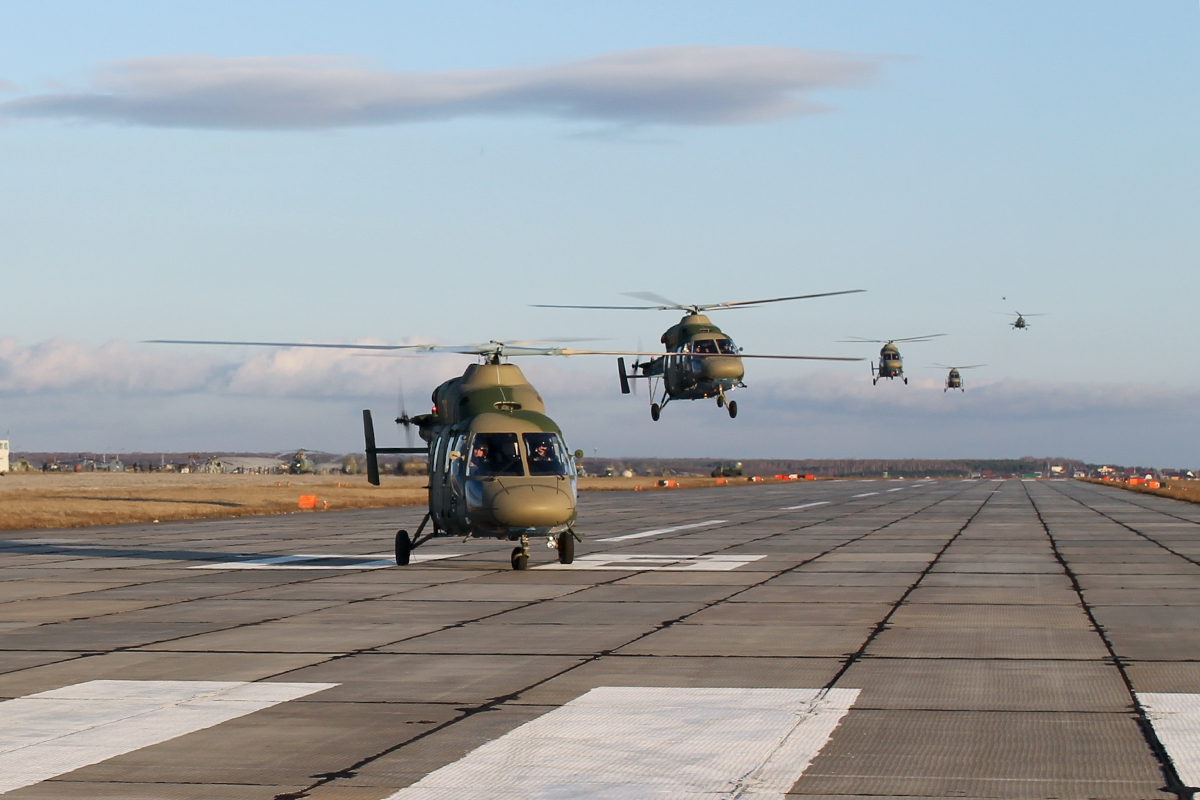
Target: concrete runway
(852, 639)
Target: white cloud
(681, 85)
(844, 393)
(59, 364)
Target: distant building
(3, 456)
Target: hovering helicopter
(498, 465)
(701, 361)
(954, 379)
(890, 364)
(1019, 324)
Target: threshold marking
(647, 561)
(1176, 720)
(639, 742)
(805, 505)
(322, 561)
(866, 494)
(657, 531)
(51, 733)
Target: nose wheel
(520, 555)
(655, 411)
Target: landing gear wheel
(720, 401)
(732, 409)
(655, 410)
(566, 547)
(874, 381)
(519, 559)
(403, 549)
(906, 381)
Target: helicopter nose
(729, 368)
(532, 506)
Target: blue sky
(1043, 153)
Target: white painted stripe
(632, 743)
(898, 489)
(866, 494)
(304, 561)
(647, 561)
(58, 731)
(657, 531)
(805, 505)
(1176, 720)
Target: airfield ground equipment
(701, 361)
(890, 364)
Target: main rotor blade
(918, 338)
(797, 358)
(295, 344)
(610, 308)
(860, 340)
(717, 306)
(651, 297)
(1019, 314)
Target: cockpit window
(704, 347)
(727, 347)
(547, 454)
(494, 454)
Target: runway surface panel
(1011, 639)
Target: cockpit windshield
(547, 454)
(494, 454)
(704, 347)
(727, 347)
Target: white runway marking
(866, 494)
(50, 733)
(1176, 720)
(323, 561)
(646, 561)
(805, 505)
(631, 743)
(898, 489)
(657, 531)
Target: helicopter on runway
(954, 378)
(890, 364)
(701, 361)
(498, 465)
(1019, 324)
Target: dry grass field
(1188, 491)
(67, 500)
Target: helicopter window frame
(493, 468)
(559, 461)
(701, 347)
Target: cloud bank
(680, 85)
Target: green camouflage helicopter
(498, 465)
(954, 379)
(701, 361)
(1019, 324)
(890, 364)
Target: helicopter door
(436, 474)
(454, 474)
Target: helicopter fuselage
(890, 364)
(498, 466)
(954, 380)
(701, 360)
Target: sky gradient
(402, 172)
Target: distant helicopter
(890, 364)
(1019, 324)
(701, 361)
(498, 466)
(954, 379)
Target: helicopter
(701, 361)
(954, 379)
(498, 465)
(890, 364)
(1019, 324)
